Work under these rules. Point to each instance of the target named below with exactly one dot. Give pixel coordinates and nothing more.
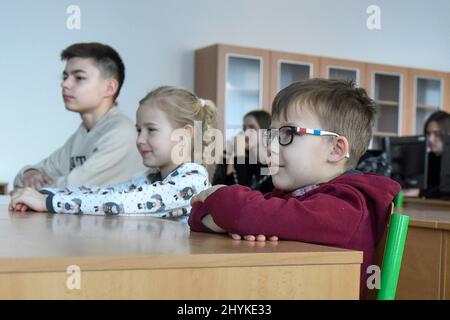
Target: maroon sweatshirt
(348, 212)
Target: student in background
(101, 150)
(165, 193)
(323, 128)
(436, 127)
(242, 171)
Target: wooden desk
(146, 258)
(425, 272)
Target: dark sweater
(349, 212)
(245, 174)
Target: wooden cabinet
(241, 79)
(287, 68)
(340, 69)
(387, 85)
(426, 95)
(237, 79)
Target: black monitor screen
(445, 168)
(409, 160)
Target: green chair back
(393, 254)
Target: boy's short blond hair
(340, 106)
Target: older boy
(323, 128)
(103, 149)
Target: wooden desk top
(427, 213)
(37, 242)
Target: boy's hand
(201, 197)
(259, 237)
(22, 199)
(36, 179)
(209, 223)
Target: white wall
(157, 39)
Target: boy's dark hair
(340, 106)
(442, 118)
(262, 117)
(107, 59)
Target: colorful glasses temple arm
(316, 132)
(319, 133)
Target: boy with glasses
(320, 130)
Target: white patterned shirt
(148, 195)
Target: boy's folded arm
(211, 225)
(201, 221)
(322, 218)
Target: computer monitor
(408, 158)
(444, 186)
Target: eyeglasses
(286, 134)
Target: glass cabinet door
(243, 90)
(340, 73)
(341, 69)
(289, 72)
(427, 99)
(387, 89)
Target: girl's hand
(259, 237)
(28, 198)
